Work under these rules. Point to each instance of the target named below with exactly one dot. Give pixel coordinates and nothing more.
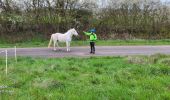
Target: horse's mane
(68, 32)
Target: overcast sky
(165, 0)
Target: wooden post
(6, 56)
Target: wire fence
(5, 52)
(6, 60)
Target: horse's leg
(57, 45)
(67, 44)
(54, 45)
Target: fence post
(6, 56)
(15, 53)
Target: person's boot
(93, 52)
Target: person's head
(93, 30)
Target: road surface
(84, 51)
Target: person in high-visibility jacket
(93, 38)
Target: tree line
(113, 19)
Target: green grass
(40, 43)
(94, 78)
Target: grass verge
(85, 43)
(94, 78)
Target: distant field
(84, 43)
(95, 78)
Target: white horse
(59, 37)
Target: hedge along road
(84, 51)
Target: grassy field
(95, 78)
(41, 43)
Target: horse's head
(74, 32)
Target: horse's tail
(50, 41)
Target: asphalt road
(84, 51)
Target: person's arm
(87, 33)
(95, 37)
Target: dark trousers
(92, 46)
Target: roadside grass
(94, 78)
(40, 43)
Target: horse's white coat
(59, 37)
